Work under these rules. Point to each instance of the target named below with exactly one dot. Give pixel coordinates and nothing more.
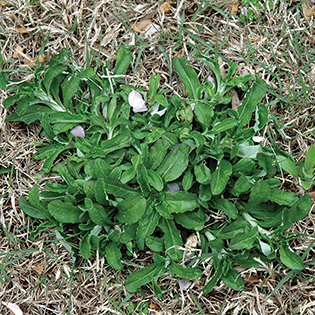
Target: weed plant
(189, 179)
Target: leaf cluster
(256, 6)
(116, 196)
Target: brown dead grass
(90, 288)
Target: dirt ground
(278, 47)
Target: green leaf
(128, 232)
(51, 73)
(116, 188)
(118, 142)
(113, 256)
(85, 246)
(310, 159)
(205, 193)
(204, 113)
(44, 120)
(156, 244)
(300, 209)
(113, 235)
(247, 150)
(288, 165)
(30, 116)
(187, 180)
(232, 229)
(131, 209)
(55, 187)
(181, 201)
(143, 276)
(226, 124)
(146, 227)
(228, 207)
(244, 240)
(163, 210)
(244, 165)
(143, 179)
(154, 83)
(157, 153)
(188, 76)
(128, 175)
(266, 162)
(69, 87)
(10, 100)
(100, 192)
(273, 182)
(65, 121)
(234, 280)
(92, 80)
(155, 180)
(185, 114)
(23, 105)
(290, 259)
(242, 184)
(101, 168)
(45, 151)
(231, 71)
(190, 220)
(214, 279)
(174, 163)
(282, 197)
(32, 211)
(261, 116)
(185, 273)
(4, 79)
(261, 192)
(248, 261)
(202, 173)
(116, 173)
(161, 99)
(124, 57)
(172, 238)
(251, 99)
(213, 66)
(156, 289)
(216, 245)
(99, 215)
(154, 135)
(33, 196)
(51, 159)
(89, 189)
(65, 212)
(220, 177)
(40, 228)
(55, 87)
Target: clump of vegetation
(255, 6)
(148, 171)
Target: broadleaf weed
(153, 179)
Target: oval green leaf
(175, 163)
(244, 240)
(290, 259)
(220, 177)
(113, 256)
(234, 280)
(142, 277)
(131, 209)
(65, 212)
(185, 273)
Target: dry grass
(278, 47)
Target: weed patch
(187, 178)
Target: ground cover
(277, 46)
